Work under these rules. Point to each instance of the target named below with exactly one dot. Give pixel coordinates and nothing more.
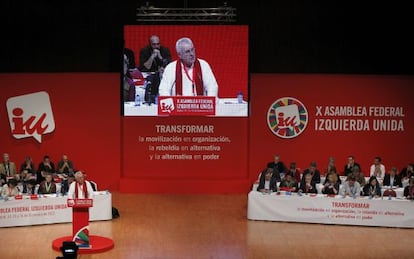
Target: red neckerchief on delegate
(197, 78)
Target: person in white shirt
(377, 169)
(351, 187)
(80, 188)
(188, 76)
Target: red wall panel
(318, 145)
(87, 122)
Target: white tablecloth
(226, 107)
(319, 186)
(49, 210)
(336, 210)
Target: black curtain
(362, 37)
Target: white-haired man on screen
(188, 76)
(80, 188)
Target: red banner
(187, 106)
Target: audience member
(45, 167)
(308, 186)
(407, 173)
(349, 167)
(67, 182)
(129, 53)
(47, 186)
(278, 166)
(330, 166)
(332, 186)
(351, 187)
(80, 188)
(377, 169)
(29, 187)
(392, 179)
(289, 183)
(332, 171)
(372, 188)
(314, 172)
(294, 171)
(27, 169)
(65, 166)
(359, 177)
(10, 189)
(409, 189)
(154, 57)
(188, 76)
(267, 181)
(128, 85)
(7, 168)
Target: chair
(94, 186)
(390, 192)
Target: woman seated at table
(308, 186)
(332, 170)
(332, 186)
(267, 181)
(47, 186)
(289, 183)
(9, 189)
(409, 190)
(372, 188)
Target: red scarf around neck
(84, 189)
(197, 78)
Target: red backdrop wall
(316, 144)
(90, 130)
(87, 122)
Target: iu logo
(30, 115)
(287, 117)
(167, 105)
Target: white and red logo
(30, 115)
(287, 117)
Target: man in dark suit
(392, 179)
(278, 167)
(267, 181)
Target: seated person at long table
(308, 186)
(289, 183)
(268, 181)
(47, 186)
(351, 187)
(314, 172)
(45, 167)
(331, 187)
(67, 182)
(332, 170)
(294, 171)
(392, 179)
(372, 188)
(9, 189)
(409, 190)
(359, 176)
(27, 169)
(29, 187)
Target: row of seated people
(268, 181)
(14, 187)
(27, 170)
(377, 169)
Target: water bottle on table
(240, 97)
(137, 100)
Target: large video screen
(185, 70)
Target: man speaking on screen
(188, 76)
